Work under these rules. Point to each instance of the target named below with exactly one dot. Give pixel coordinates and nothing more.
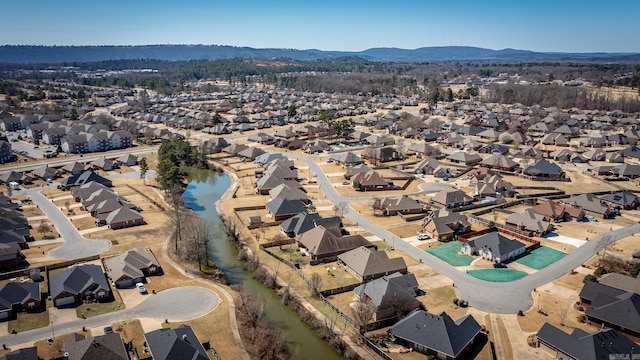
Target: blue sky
(539, 25)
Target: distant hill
(69, 54)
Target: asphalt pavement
(75, 246)
(175, 305)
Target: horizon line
(315, 49)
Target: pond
(204, 189)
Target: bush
(455, 301)
(520, 313)
(599, 272)
(635, 269)
(580, 308)
(582, 318)
(589, 278)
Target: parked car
(141, 288)
(592, 218)
(500, 265)
(108, 330)
(423, 236)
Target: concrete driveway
(177, 304)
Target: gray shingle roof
(498, 244)
(367, 262)
(175, 344)
(437, 332)
(76, 279)
(17, 293)
(586, 346)
(103, 347)
(282, 206)
(382, 290)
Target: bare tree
(252, 310)
(67, 204)
(563, 315)
(44, 227)
(376, 204)
(604, 243)
(196, 244)
(270, 343)
(363, 313)
(342, 205)
(177, 213)
(400, 304)
(316, 282)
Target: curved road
(501, 298)
(75, 246)
(177, 304)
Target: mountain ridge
(179, 52)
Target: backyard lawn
(449, 254)
(541, 257)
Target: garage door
(124, 283)
(65, 301)
(4, 315)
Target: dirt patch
(555, 308)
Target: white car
(141, 288)
(423, 236)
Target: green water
(204, 189)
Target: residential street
(177, 304)
(75, 246)
(501, 298)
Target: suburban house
(390, 294)
(601, 344)
(107, 346)
(10, 256)
(132, 267)
(306, 221)
(103, 164)
(250, 153)
(127, 160)
(82, 192)
(543, 169)
(436, 335)
(321, 244)
(621, 281)
(124, 217)
(450, 198)
(590, 204)
(529, 220)
(494, 247)
(268, 182)
(367, 264)
(315, 147)
(17, 296)
(234, 149)
(465, 158)
(622, 200)
(78, 283)
(492, 185)
(377, 155)
(558, 211)
(85, 177)
(499, 161)
(444, 225)
(281, 208)
(347, 159)
(45, 172)
(30, 353)
(290, 193)
(431, 166)
(403, 205)
(371, 181)
(5, 152)
(179, 343)
(351, 171)
(607, 306)
(73, 168)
